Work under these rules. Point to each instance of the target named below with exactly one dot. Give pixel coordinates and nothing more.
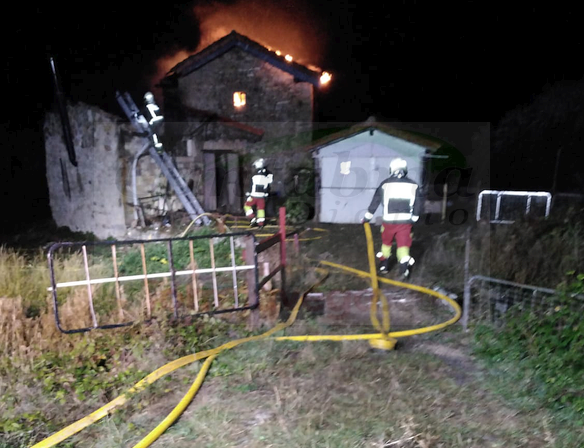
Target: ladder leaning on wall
(164, 162)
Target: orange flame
(288, 31)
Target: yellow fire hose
(234, 225)
(383, 340)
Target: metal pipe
(118, 294)
(64, 116)
(134, 192)
(193, 267)
(480, 205)
(444, 200)
(158, 275)
(54, 289)
(145, 277)
(216, 297)
(498, 207)
(90, 296)
(466, 302)
(173, 279)
(283, 295)
(235, 292)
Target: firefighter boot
(405, 266)
(382, 264)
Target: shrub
(542, 349)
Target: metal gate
(127, 281)
(487, 298)
(518, 199)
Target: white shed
(350, 165)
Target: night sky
(407, 61)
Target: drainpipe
(64, 117)
(134, 192)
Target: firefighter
(154, 120)
(400, 197)
(260, 190)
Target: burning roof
(234, 39)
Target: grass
(333, 395)
(429, 392)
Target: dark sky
(409, 61)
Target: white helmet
(259, 164)
(149, 98)
(398, 167)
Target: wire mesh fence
(490, 299)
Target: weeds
(542, 350)
(287, 394)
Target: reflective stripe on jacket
(400, 198)
(260, 183)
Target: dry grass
(279, 393)
(332, 395)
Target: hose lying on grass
(384, 339)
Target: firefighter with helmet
(260, 190)
(154, 119)
(400, 197)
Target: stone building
(232, 102)
(224, 106)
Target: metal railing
(500, 194)
(493, 297)
(173, 273)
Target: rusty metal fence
(138, 280)
(112, 284)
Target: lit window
(288, 58)
(239, 99)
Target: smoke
(290, 26)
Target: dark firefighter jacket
(260, 183)
(400, 198)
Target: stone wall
(97, 195)
(86, 198)
(275, 102)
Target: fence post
(466, 301)
(444, 200)
(283, 296)
(252, 281)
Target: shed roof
(423, 140)
(236, 40)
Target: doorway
(222, 181)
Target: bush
(542, 350)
